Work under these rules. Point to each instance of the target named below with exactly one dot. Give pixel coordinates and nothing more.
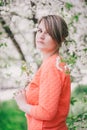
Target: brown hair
(56, 27)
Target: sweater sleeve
(49, 93)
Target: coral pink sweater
(49, 93)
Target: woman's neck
(45, 56)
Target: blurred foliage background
(11, 118)
(19, 59)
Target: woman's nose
(42, 35)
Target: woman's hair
(56, 27)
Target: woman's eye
(39, 30)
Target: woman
(46, 99)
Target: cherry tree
(19, 18)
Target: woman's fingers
(20, 91)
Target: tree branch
(11, 35)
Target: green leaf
(85, 49)
(73, 100)
(1, 3)
(71, 59)
(68, 5)
(0, 33)
(3, 44)
(76, 17)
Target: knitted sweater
(49, 95)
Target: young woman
(46, 99)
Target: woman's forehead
(42, 24)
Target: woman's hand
(20, 99)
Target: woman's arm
(49, 94)
(50, 89)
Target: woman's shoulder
(50, 62)
(61, 65)
(56, 62)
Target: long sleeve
(49, 94)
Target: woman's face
(44, 41)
